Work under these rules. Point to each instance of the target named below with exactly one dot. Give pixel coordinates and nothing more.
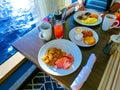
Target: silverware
(106, 49)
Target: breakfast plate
(68, 47)
(79, 13)
(81, 43)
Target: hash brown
(87, 33)
(89, 40)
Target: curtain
(49, 6)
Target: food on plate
(88, 37)
(87, 33)
(78, 29)
(58, 58)
(78, 34)
(84, 16)
(94, 16)
(65, 62)
(89, 40)
(52, 55)
(87, 14)
(88, 18)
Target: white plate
(83, 12)
(68, 47)
(115, 38)
(81, 43)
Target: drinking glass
(58, 29)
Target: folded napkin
(84, 73)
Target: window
(17, 17)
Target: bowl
(78, 36)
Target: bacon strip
(65, 62)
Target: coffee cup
(45, 31)
(108, 22)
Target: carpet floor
(38, 80)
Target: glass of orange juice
(58, 29)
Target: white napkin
(84, 73)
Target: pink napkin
(84, 73)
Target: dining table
(30, 44)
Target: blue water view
(16, 19)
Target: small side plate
(81, 43)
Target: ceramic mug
(109, 21)
(45, 31)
